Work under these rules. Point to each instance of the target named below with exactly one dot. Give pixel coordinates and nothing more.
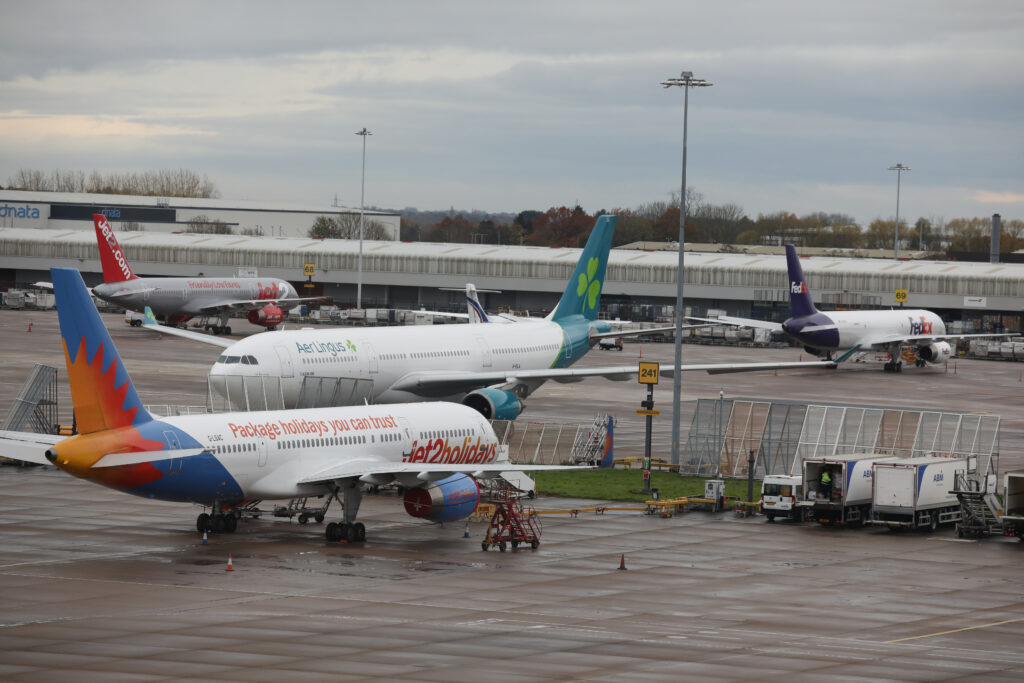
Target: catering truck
(844, 496)
(1012, 518)
(916, 492)
(780, 494)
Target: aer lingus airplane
(229, 460)
(177, 299)
(823, 333)
(491, 368)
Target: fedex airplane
(825, 333)
(176, 299)
(491, 368)
(230, 461)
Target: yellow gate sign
(308, 269)
(901, 296)
(648, 373)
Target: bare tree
(346, 226)
(206, 225)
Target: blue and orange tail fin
(115, 265)
(583, 292)
(101, 391)
(799, 296)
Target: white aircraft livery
(177, 299)
(491, 368)
(231, 460)
(824, 333)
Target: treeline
(160, 183)
(718, 224)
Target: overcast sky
(529, 105)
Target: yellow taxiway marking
(957, 630)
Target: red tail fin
(115, 265)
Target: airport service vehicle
(849, 500)
(177, 299)
(491, 368)
(230, 461)
(822, 334)
(611, 343)
(1012, 518)
(780, 494)
(916, 492)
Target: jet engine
(813, 351)
(446, 500)
(936, 352)
(267, 316)
(494, 404)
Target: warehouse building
(62, 211)
(639, 285)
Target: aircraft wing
(898, 339)
(154, 326)
(256, 303)
(741, 322)
(27, 446)
(368, 468)
(438, 383)
(640, 332)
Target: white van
(779, 494)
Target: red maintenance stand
(511, 523)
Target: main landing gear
(219, 523)
(348, 529)
(894, 366)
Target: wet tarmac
(99, 585)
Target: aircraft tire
(360, 530)
(230, 523)
(203, 523)
(227, 330)
(331, 532)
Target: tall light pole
(362, 204)
(899, 168)
(686, 81)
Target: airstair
(979, 505)
(588, 447)
(35, 408)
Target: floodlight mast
(362, 209)
(899, 168)
(686, 81)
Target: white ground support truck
(847, 498)
(916, 492)
(780, 494)
(1012, 518)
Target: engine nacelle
(267, 316)
(446, 500)
(813, 351)
(936, 352)
(494, 404)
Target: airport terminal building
(640, 285)
(61, 211)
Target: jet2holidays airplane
(231, 461)
(825, 333)
(491, 368)
(178, 299)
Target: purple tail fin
(799, 296)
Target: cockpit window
(222, 359)
(249, 360)
(233, 359)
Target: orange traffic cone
(229, 568)
(622, 561)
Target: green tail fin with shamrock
(583, 293)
